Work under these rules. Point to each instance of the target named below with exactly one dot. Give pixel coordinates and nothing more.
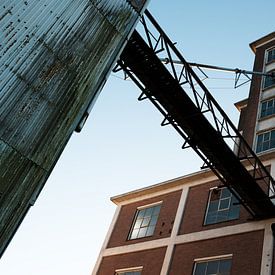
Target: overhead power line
(238, 72)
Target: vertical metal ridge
(54, 57)
(62, 59)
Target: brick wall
(246, 249)
(195, 208)
(164, 224)
(248, 121)
(151, 260)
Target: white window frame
(261, 107)
(135, 219)
(212, 258)
(256, 143)
(149, 205)
(218, 210)
(267, 51)
(264, 79)
(129, 269)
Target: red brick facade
(195, 209)
(248, 118)
(243, 262)
(150, 260)
(164, 225)
(180, 237)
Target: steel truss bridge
(196, 116)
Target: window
(269, 80)
(268, 108)
(271, 55)
(213, 267)
(145, 222)
(221, 206)
(265, 141)
(128, 273)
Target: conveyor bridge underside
(206, 136)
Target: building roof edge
(241, 104)
(205, 175)
(172, 183)
(262, 40)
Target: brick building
(191, 225)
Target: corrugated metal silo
(54, 57)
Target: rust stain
(52, 70)
(56, 67)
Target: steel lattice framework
(189, 107)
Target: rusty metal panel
(54, 57)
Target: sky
(123, 147)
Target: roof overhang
(261, 41)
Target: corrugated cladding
(54, 56)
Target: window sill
(266, 117)
(268, 88)
(265, 151)
(221, 222)
(270, 62)
(142, 238)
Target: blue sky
(122, 146)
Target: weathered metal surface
(21, 179)
(54, 56)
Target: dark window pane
(259, 147)
(265, 145)
(211, 218)
(225, 266)
(259, 143)
(263, 110)
(141, 213)
(260, 138)
(212, 267)
(148, 212)
(268, 112)
(222, 216)
(225, 193)
(266, 136)
(200, 268)
(269, 81)
(150, 231)
(271, 55)
(234, 213)
(222, 209)
(154, 220)
(129, 273)
(213, 206)
(272, 143)
(156, 210)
